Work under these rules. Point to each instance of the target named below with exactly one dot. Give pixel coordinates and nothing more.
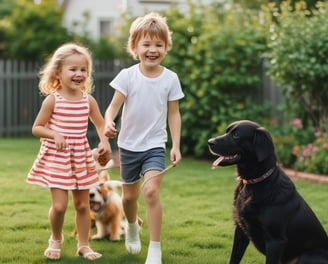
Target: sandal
(87, 254)
(51, 248)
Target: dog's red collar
(259, 179)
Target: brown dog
(103, 163)
(106, 206)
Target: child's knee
(58, 208)
(151, 195)
(81, 206)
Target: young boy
(150, 93)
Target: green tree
(6, 7)
(216, 54)
(256, 4)
(34, 30)
(299, 51)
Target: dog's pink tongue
(217, 161)
(96, 207)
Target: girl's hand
(104, 147)
(61, 144)
(110, 131)
(104, 152)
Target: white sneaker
(132, 239)
(154, 255)
(154, 259)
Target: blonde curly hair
(48, 74)
(151, 24)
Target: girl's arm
(174, 120)
(40, 128)
(99, 123)
(111, 113)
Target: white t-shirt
(144, 115)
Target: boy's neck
(151, 72)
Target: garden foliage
(299, 50)
(217, 55)
(30, 31)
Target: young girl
(65, 161)
(150, 93)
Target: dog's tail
(113, 185)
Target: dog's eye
(235, 134)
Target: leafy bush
(34, 30)
(299, 49)
(30, 31)
(216, 55)
(285, 139)
(312, 157)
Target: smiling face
(73, 73)
(150, 51)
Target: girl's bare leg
(56, 216)
(82, 209)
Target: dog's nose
(91, 195)
(211, 141)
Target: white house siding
(110, 10)
(99, 10)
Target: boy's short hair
(153, 24)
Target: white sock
(154, 255)
(132, 240)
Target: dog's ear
(263, 144)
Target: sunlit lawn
(197, 202)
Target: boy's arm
(111, 113)
(174, 120)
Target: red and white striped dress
(73, 168)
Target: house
(100, 17)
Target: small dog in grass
(103, 163)
(106, 209)
(106, 206)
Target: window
(105, 27)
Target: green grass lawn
(197, 224)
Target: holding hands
(110, 130)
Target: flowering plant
(285, 138)
(312, 157)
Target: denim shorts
(134, 165)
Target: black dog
(267, 208)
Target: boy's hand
(110, 131)
(175, 156)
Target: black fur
(268, 210)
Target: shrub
(285, 139)
(312, 157)
(299, 49)
(216, 54)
